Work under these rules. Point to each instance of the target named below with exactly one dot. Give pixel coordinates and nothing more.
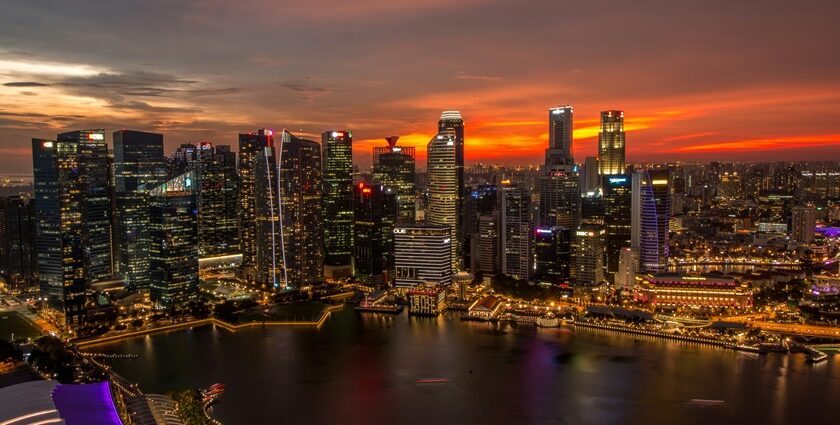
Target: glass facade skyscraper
(451, 126)
(375, 212)
(516, 248)
(251, 147)
(173, 247)
(337, 157)
(617, 217)
(611, 143)
(442, 176)
(560, 141)
(300, 210)
(394, 168)
(139, 166)
(651, 210)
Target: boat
(432, 381)
(548, 322)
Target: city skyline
(694, 94)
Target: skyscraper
(422, 254)
(552, 246)
(18, 260)
(94, 173)
(375, 213)
(651, 210)
(337, 156)
(560, 148)
(611, 143)
(217, 191)
(251, 147)
(516, 225)
(628, 267)
(173, 236)
(269, 271)
(560, 199)
(60, 247)
(442, 175)
(617, 218)
(588, 253)
(481, 209)
(300, 211)
(393, 167)
(451, 124)
(139, 166)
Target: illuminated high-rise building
(560, 199)
(560, 148)
(337, 157)
(628, 267)
(252, 146)
(588, 254)
(442, 176)
(69, 248)
(651, 210)
(173, 247)
(269, 271)
(422, 255)
(300, 211)
(552, 252)
(375, 213)
(393, 167)
(516, 225)
(481, 213)
(617, 218)
(139, 166)
(451, 124)
(94, 173)
(803, 223)
(611, 143)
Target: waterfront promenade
(325, 314)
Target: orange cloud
(776, 143)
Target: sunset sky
(698, 80)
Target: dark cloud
(145, 107)
(25, 84)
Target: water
(363, 369)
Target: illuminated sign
(659, 182)
(618, 179)
(399, 231)
(543, 231)
(366, 190)
(96, 136)
(556, 111)
(48, 144)
(397, 149)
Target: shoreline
(324, 315)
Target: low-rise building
(485, 308)
(426, 300)
(673, 290)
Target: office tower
(269, 272)
(393, 167)
(559, 152)
(611, 143)
(617, 218)
(552, 246)
(217, 191)
(651, 210)
(589, 175)
(251, 147)
(139, 166)
(59, 201)
(628, 267)
(451, 124)
(803, 223)
(592, 207)
(559, 199)
(442, 175)
(300, 211)
(375, 213)
(337, 204)
(218, 201)
(487, 252)
(173, 247)
(516, 226)
(482, 203)
(18, 260)
(422, 255)
(588, 254)
(93, 163)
